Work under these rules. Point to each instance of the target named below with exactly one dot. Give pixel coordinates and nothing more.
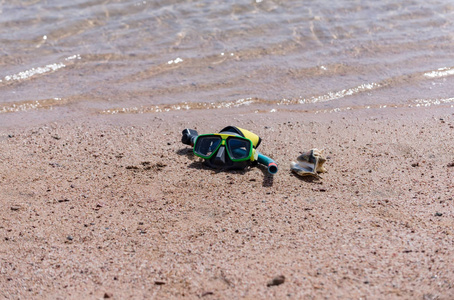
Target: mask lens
(239, 148)
(206, 145)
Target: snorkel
(231, 148)
(268, 162)
(189, 136)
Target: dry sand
(117, 207)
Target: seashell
(309, 163)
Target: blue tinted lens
(206, 145)
(238, 148)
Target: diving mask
(238, 149)
(232, 148)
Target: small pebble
(438, 214)
(278, 280)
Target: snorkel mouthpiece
(189, 136)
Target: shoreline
(117, 206)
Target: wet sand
(117, 207)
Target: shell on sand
(309, 163)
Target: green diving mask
(237, 148)
(232, 148)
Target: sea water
(130, 56)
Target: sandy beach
(117, 207)
(101, 200)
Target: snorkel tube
(265, 160)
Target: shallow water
(93, 56)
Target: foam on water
(38, 70)
(442, 72)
